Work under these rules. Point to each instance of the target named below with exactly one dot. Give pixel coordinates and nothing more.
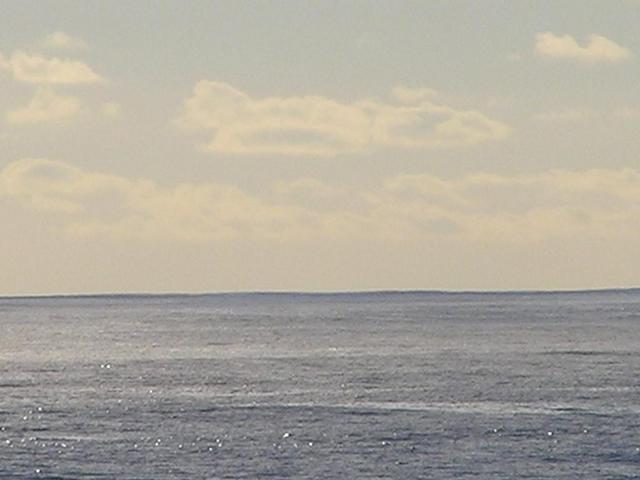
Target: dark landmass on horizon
(275, 293)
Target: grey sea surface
(413, 385)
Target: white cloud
(63, 40)
(565, 116)
(556, 204)
(584, 114)
(93, 203)
(627, 112)
(314, 125)
(482, 208)
(413, 95)
(45, 106)
(34, 68)
(111, 109)
(597, 49)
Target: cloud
(477, 209)
(524, 209)
(111, 109)
(413, 95)
(91, 203)
(627, 112)
(45, 106)
(36, 69)
(584, 114)
(62, 40)
(314, 125)
(598, 49)
(565, 116)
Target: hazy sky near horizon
(331, 145)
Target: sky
(206, 146)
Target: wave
(474, 408)
(589, 353)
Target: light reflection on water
(335, 386)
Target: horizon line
(323, 293)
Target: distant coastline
(299, 294)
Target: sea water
(337, 386)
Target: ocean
(414, 385)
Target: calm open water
(349, 386)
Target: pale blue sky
(323, 169)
